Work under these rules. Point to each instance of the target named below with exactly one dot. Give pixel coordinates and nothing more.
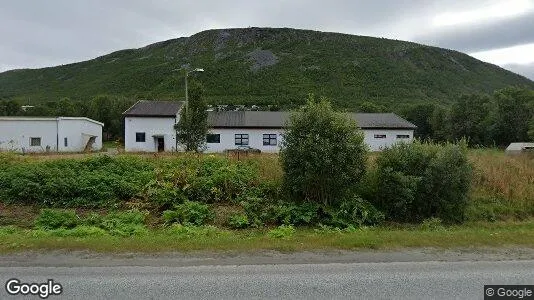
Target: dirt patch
(18, 215)
(85, 258)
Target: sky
(38, 33)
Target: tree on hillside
(192, 128)
(323, 154)
(370, 107)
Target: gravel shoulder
(90, 259)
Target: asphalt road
(402, 280)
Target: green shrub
(354, 212)
(189, 231)
(125, 223)
(323, 154)
(421, 180)
(282, 231)
(126, 230)
(6, 230)
(238, 221)
(260, 211)
(432, 224)
(79, 231)
(189, 213)
(55, 218)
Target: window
(65, 142)
(213, 138)
(380, 136)
(241, 139)
(403, 136)
(269, 139)
(140, 137)
(35, 141)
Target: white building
(43, 134)
(149, 127)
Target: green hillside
(267, 65)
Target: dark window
(65, 142)
(140, 137)
(380, 136)
(35, 141)
(241, 139)
(403, 136)
(269, 139)
(213, 138)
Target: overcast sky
(36, 33)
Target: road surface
(375, 280)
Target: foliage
(422, 180)
(432, 224)
(54, 219)
(125, 223)
(282, 231)
(238, 221)
(78, 231)
(351, 69)
(189, 213)
(90, 182)
(354, 212)
(192, 231)
(323, 153)
(192, 128)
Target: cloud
(526, 70)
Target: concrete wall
(255, 139)
(377, 144)
(151, 127)
(165, 127)
(15, 134)
(77, 132)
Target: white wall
(377, 144)
(15, 134)
(77, 132)
(255, 139)
(151, 127)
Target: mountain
(270, 65)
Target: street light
(186, 93)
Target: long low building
(50, 134)
(149, 127)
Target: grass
(499, 234)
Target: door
(161, 144)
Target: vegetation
(323, 154)
(193, 125)
(269, 66)
(497, 120)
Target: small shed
(518, 148)
(50, 134)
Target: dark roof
(278, 119)
(147, 108)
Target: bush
(432, 224)
(282, 231)
(189, 213)
(125, 223)
(79, 231)
(54, 219)
(354, 212)
(260, 211)
(421, 180)
(238, 221)
(188, 231)
(323, 154)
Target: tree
(370, 107)
(192, 128)
(513, 111)
(323, 154)
(439, 124)
(468, 118)
(421, 115)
